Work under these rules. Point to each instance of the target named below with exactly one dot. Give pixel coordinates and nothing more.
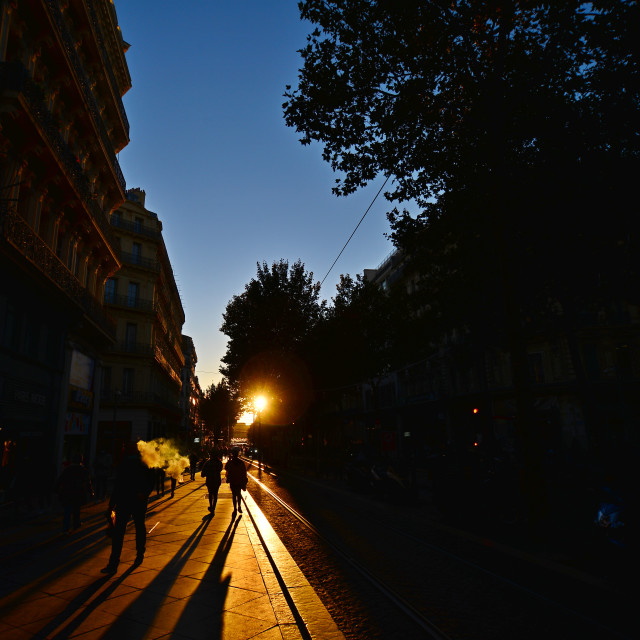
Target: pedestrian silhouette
(74, 489)
(193, 464)
(160, 478)
(211, 471)
(237, 479)
(134, 482)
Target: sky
(230, 182)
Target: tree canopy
(433, 92)
(268, 326)
(512, 125)
(219, 408)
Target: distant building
(141, 373)
(190, 394)
(62, 122)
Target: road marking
(154, 526)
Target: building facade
(141, 373)
(62, 77)
(190, 426)
(584, 382)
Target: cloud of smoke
(163, 454)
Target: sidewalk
(202, 577)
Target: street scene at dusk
(319, 319)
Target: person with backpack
(211, 471)
(134, 482)
(237, 479)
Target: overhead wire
(353, 232)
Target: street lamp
(259, 403)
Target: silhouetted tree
(268, 326)
(513, 125)
(219, 408)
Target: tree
(219, 408)
(361, 337)
(268, 326)
(511, 124)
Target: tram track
(404, 605)
(428, 626)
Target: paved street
(201, 577)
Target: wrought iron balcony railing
(15, 231)
(139, 261)
(14, 77)
(121, 398)
(167, 361)
(53, 7)
(136, 228)
(107, 65)
(135, 348)
(131, 302)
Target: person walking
(74, 489)
(237, 479)
(134, 482)
(211, 471)
(160, 478)
(193, 464)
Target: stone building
(141, 377)
(62, 77)
(190, 427)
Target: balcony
(138, 398)
(139, 261)
(134, 348)
(107, 66)
(148, 232)
(69, 46)
(14, 78)
(130, 302)
(168, 362)
(15, 231)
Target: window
(131, 336)
(137, 225)
(132, 296)
(127, 382)
(136, 253)
(110, 289)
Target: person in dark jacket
(134, 482)
(211, 471)
(193, 464)
(74, 489)
(237, 479)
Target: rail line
(402, 603)
(406, 607)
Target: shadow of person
(75, 604)
(210, 596)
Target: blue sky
(229, 181)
